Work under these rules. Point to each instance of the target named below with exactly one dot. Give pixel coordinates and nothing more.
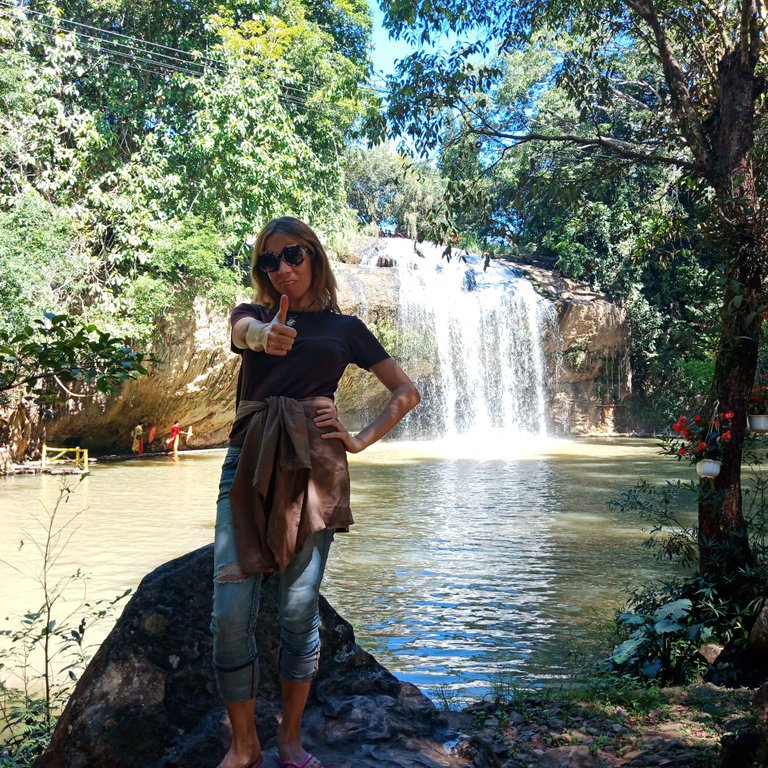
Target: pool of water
(467, 568)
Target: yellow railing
(80, 456)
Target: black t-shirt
(326, 343)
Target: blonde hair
(323, 287)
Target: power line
(187, 58)
(137, 52)
(104, 31)
(131, 59)
(101, 46)
(143, 65)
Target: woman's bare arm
(403, 396)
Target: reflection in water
(458, 571)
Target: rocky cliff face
(195, 374)
(590, 357)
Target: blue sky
(385, 50)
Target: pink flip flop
(293, 764)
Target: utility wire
(137, 63)
(105, 47)
(100, 45)
(109, 32)
(134, 56)
(187, 58)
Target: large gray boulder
(148, 698)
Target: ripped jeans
(236, 605)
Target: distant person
(137, 446)
(282, 515)
(173, 440)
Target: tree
(47, 358)
(384, 185)
(146, 142)
(696, 105)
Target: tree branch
(749, 36)
(681, 97)
(685, 32)
(621, 148)
(616, 90)
(68, 391)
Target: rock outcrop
(148, 696)
(592, 374)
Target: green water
(466, 566)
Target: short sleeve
(255, 311)
(365, 348)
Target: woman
(284, 487)
(137, 446)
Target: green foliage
(49, 356)
(384, 185)
(388, 333)
(130, 179)
(665, 625)
(191, 257)
(39, 266)
(667, 509)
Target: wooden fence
(78, 455)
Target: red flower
(697, 419)
(702, 446)
(726, 435)
(728, 415)
(679, 425)
(681, 451)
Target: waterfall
(472, 340)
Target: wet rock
(148, 697)
(479, 752)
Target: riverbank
(614, 727)
(60, 467)
(359, 713)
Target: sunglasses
(292, 255)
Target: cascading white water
(473, 340)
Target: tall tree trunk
(723, 536)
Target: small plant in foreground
(40, 659)
(665, 625)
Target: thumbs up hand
(280, 336)
(282, 311)
(275, 337)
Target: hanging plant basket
(758, 422)
(709, 468)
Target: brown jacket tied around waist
(289, 484)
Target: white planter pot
(708, 468)
(757, 422)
